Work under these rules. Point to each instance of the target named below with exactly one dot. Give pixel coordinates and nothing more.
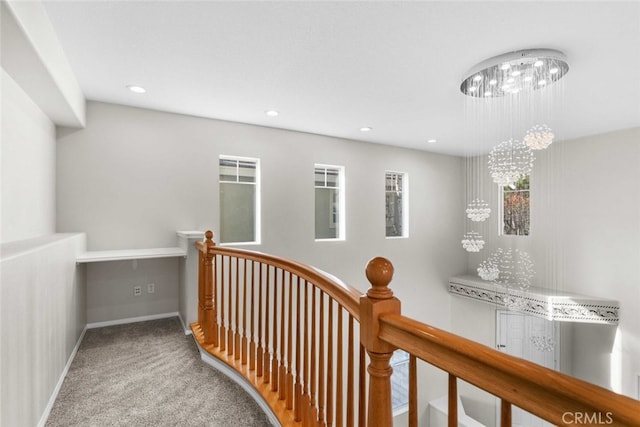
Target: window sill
(240, 244)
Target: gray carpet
(148, 374)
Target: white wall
(133, 177)
(110, 289)
(41, 319)
(585, 229)
(28, 166)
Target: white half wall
(42, 316)
(28, 154)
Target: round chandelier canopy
(514, 72)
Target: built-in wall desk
(129, 254)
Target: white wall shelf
(546, 303)
(129, 254)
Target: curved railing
(289, 329)
(302, 338)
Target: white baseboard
(132, 320)
(63, 375)
(186, 328)
(241, 381)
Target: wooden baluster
(306, 403)
(274, 360)
(298, 384)
(252, 332)
(289, 378)
(282, 369)
(339, 373)
(453, 401)
(223, 320)
(413, 392)
(230, 327)
(350, 376)
(321, 396)
(216, 301)
(267, 345)
(362, 386)
(505, 413)
(201, 289)
(236, 334)
(261, 343)
(378, 300)
(329, 399)
(244, 314)
(209, 312)
(313, 413)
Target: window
(396, 204)
(399, 380)
(515, 208)
(239, 200)
(329, 204)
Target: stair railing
(301, 337)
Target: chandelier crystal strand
(478, 210)
(472, 241)
(509, 160)
(539, 137)
(511, 270)
(542, 343)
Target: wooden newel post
(378, 300)
(209, 314)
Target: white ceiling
(333, 67)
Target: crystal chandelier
(472, 241)
(509, 160)
(514, 72)
(478, 210)
(539, 137)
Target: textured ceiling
(333, 67)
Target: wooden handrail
(295, 343)
(545, 393)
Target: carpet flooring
(148, 374)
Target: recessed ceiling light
(477, 78)
(542, 82)
(473, 89)
(553, 71)
(538, 63)
(271, 113)
(516, 73)
(136, 89)
(365, 129)
(431, 141)
(505, 67)
(493, 82)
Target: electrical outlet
(137, 291)
(151, 288)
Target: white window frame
(342, 211)
(501, 232)
(405, 204)
(257, 201)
